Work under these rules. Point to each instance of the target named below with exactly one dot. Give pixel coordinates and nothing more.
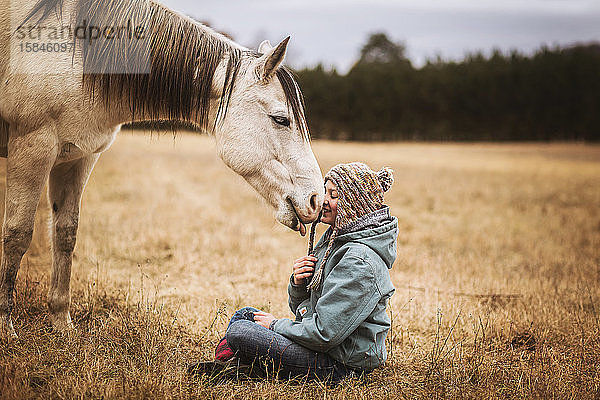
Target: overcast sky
(332, 31)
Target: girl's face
(330, 204)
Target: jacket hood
(381, 239)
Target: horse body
(59, 113)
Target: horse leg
(30, 158)
(64, 191)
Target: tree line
(553, 94)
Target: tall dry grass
(497, 275)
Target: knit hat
(360, 192)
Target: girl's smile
(330, 204)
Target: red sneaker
(223, 352)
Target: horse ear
(271, 60)
(264, 47)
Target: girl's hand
(263, 318)
(303, 268)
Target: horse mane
(168, 75)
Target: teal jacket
(346, 316)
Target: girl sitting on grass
(341, 321)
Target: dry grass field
(497, 277)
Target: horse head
(264, 136)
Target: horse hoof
(62, 323)
(7, 331)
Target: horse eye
(281, 120)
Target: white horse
(115, 61)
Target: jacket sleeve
(296, 294)
(349, 295)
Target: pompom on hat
(360, 192)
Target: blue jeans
(252, 342)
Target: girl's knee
(247, 309)
(239, 331)
(246, 313)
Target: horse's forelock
(295, 99)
